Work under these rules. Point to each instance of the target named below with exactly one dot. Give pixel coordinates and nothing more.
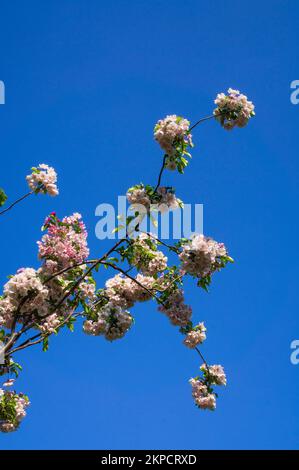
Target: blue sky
(85, 83)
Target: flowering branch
(63, 288)
(42, 180)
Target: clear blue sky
(85, 83)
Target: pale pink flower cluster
(65, 241)
(27, 296)
(124, 292)
(196, 336)
(31, 294)
(112, 322)
(177, 311)
(24, 294)
(146, 257)
(201, 256)
(202, 397)
(156, 265)
(163, 200)
(168, 200)
(19, 403)
(139, 197)
(50, 324)
(43, 179)
(233, 109)
(56, 288)
(171, 130)
(87, 290)
(215, 374)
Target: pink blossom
(202, 397)
(171, 130)
(233, 109)
(12, 410)
(202, 255)
(112, 322)
(146, 257)
(124, 292)
(177, 311)
(215, 374)
(43, 179)
(196, 336)
(65, 241)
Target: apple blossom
(201, 256)
(177, 311)
(111, 321)
(173, 135)
(215, 374)
(145, 255)
(36, 303)
(65, 240)
(195, 336)
(159, 199)
(43, 180)
(233, 109)
(202, 397)
(12, 410)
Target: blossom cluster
(26, 297)
(111, 321)
(161, 199)
(176, 310)
(32, 295)
(43, 180)
(215, 374)
(195, 336)
(233, 109)
(12, 409)
(65, 241)
(145, 255)
(137, 196)
(201, 256)
(124, 292)
(24, 294)
(202, 391)
(173, 135)
(202, 397)
(167, 199)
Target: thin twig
(160, 173)
(202, 120)
(16, 202)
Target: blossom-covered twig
(42, 180)
(47, 299)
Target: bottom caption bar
(134, 459)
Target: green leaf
(3, 197)
(45, 344)
(113, 259)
